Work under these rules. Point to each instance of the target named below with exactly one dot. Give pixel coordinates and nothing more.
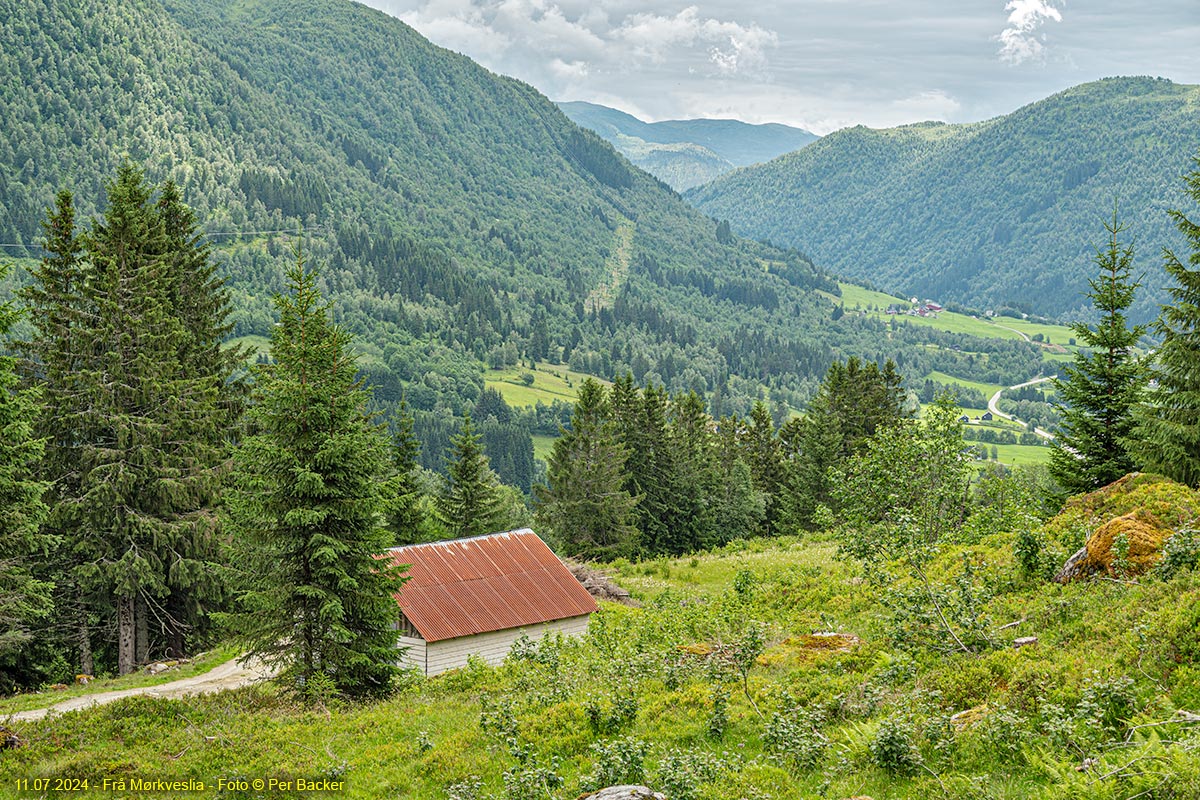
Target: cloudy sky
(817, 64)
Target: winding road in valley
(994, 404)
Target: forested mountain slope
(459, 218)
(1005, 211)
(687, 152)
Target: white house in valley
(477, 596)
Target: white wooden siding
(415, 655)
(493, 646)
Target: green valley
(978, 213)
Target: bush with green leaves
(681, 773)
(1181, 551)
(892, 748)
(530, 781)
(468, 789)
(718, 715)
(605, 718)
(621, 761)
(793, 735)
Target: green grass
(550, 382)
(200, 665)
(988, 389)
(1015, 455)
(542, 445)
(1113, 663)
(254, 343)
(430, 736)
(856, 297)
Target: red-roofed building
(477, 596)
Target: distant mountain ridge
(1005, 211)
(687, 152)
(458, 217)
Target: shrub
(605, 719)
(1181, 551)
(618, 762)
(892, 748)
(793, 736)
(681, 773)
(528, 781)
(743, 584)
(468, 789)
(718, 717)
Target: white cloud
(821, 64)
(556, 44)
(731, 47)
(1020, 41)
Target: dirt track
(229, 675)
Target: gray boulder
(625, 793)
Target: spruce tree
(51, 358)
(736, 508)
(1101, 387)
(405, 511)
(852, 404)
(306, 510)
(470, 503)
(25, 601)
(764, 458)
(1167, 437)
(693, 462)
(585, 506)
(146, 478)
(660, 513)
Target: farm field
(857, 297)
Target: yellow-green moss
(1144, 534)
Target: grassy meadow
(549, 382)
(886, 708)
(876, 303)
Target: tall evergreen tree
(693, 461)
(305, 509)
(586, 505)
(52, 357)
(852, 404)
(762, 453)
(736, 508)
(1167, 436)
(25, 601)
(146, 476)
(659, 510)
(470, 503)
(1101, 388)
(405, 510)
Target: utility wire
(206, 235)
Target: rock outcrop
(1130, 520)
(625, 793)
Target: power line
(208, 235)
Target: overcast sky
(816, 64)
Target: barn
(477, 596)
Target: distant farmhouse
(477, 596)
(917, 309)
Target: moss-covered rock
(1125, 524)
(1144, 537)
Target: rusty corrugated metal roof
(486, 583)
